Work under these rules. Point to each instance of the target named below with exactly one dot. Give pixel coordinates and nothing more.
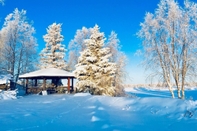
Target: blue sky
(121, 16)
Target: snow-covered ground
(150, 110)
(190, 92)
(8, 95)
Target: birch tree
(94, 71)
(188, 43)
(118, 57)
(1, 53)
(77, 45)
(19, 44)
(53, 55)
(169, 40)
(155, 58)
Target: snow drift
(97, 113)
(8, 95)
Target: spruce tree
(94, 71)
(52, 56)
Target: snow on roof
(4, 78)
(49, 72)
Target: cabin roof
(47, 73)
(4, 78)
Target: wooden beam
(68, 88)
(44, 83)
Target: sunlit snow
(150, 110)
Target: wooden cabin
(38, 81)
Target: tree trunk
(183, 90)
(19, 64)
(169, 85)
(171, 90)
(178, 88)
(184, 70)
(165, 68)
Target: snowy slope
(83, 112)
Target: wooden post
(44, 83)
(68, 85)
(26, 86)
(72, 84)
(36, 82)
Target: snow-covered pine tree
(52, 56)
(94, 71)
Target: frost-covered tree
(118, 57)
(18, 44)
(77, 45)
(169, 40)
(1, 53)
(113, 44)
(94, 71)
(53, 55)
(1, 45)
